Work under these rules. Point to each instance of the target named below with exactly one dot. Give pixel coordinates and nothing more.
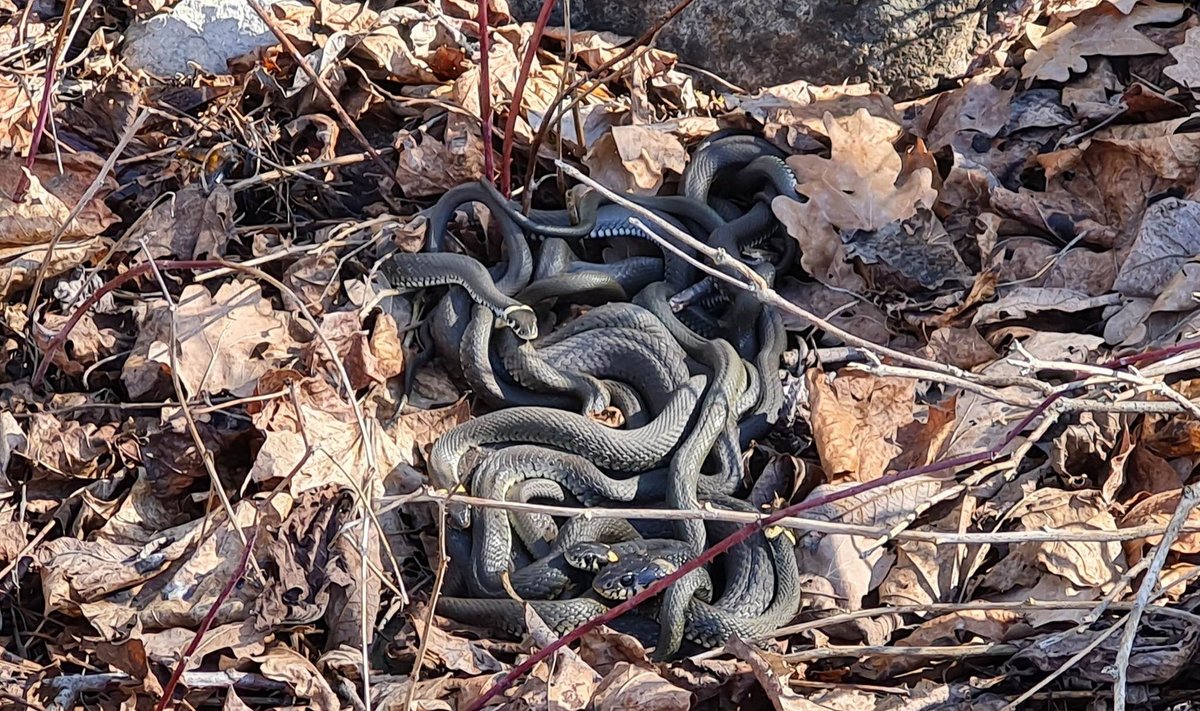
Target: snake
(694, 386)
(709, 625)
(625, 450)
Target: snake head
(522, 320)
(590, 555)
(623, 580)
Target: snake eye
(628, 580)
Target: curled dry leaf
(192, 224)
(314, 278)
(16, 124)
(1096, 564)
(86, 344)
(603, 648)
(564, 682)
(861, 186)
(427, 166)
(634, 158)
(289, 666)
(1170, 148)
(66, 448)
(791, 114)
(1162, 648)
(447, 651)
(839, 559)
(772, 673)
(964, 627)
(415, 431)
(12, 441)
(979, 107)
(344, 330)
(1157, 510)
(1023, 302)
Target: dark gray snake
(692, 388)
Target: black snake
(692, 386)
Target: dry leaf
(416, 431)
(1101, 31)
(288, 666)
(192, 224)
(427, 166)
(634, 158)
(226, 341)
(1023, 302)
(340, 456)
(1169, 235)
(1157, 510)
(855, 420)
(1186, 70)
(16, 123)
(629, 687)
(860, 187)
(455, 653)
(772, 671)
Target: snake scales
(692, 388)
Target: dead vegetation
(212, 491)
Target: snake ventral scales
(693, 384)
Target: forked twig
(1187, 501)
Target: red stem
(485, 91)
(514, 108)
(206, 623)
(750, 529)
(39, 125)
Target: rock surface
(205, 32)
(903, 47)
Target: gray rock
(205, 32)
(900, 46)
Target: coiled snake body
(689, 402)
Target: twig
(485, 88)
(321, 86)
(438, 580)
(557, 110)
(1187, 502)
(1132, 376)
(940, 538)
(961, 651)
(299, 168)
(130, 131)
(951, 607)
(514, 107)
(39, 125)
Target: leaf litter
(1032, 221)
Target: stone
(207, 33)
(902, 47)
